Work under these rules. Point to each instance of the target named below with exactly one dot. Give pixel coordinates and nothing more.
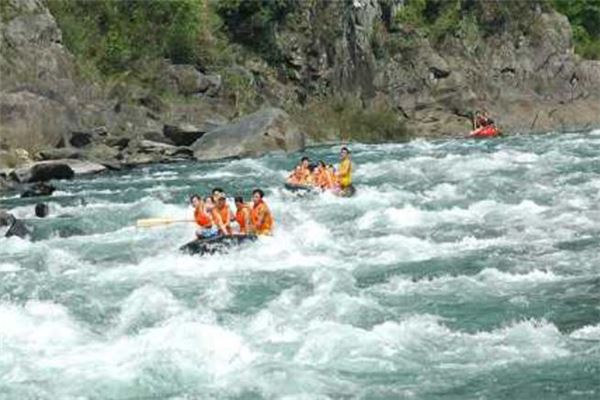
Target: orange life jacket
(241, 216)
(202, 218)
(224, 216)
(266, 227)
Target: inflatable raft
(218, 244)
(486, 131)
(292, 187)
(303, 189)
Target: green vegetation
(440, 19)
(345, 118)
(114, 36)
(252, 23)
(584, 16)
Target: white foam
(589, 332)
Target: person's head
(257, 195)
(304, 162)
(239, 201)
(196, 200)
(311, 168)
(41, 210)
(344, 152)
(216, 191)
(208, 201)
(220, 200)
(322, 164)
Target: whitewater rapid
(461, 269)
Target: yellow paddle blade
(150, 222)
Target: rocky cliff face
(528, 77)
(49, 111)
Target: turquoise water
(461, 269)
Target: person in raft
(301, 173)
(221, 214)
(203, 218)
(243, 215)
(481, 121)
(260, 216)
(344, 174)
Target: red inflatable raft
(485, 131)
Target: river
(461, 269)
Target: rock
(112, 165)
(187, 80)
(187, 134)
(5, 218)
(157, 137)
(18, 229)
(165, 151)
(251, 136)
(81, 167)
(41, 210)
(149, 146)
(59, 153)
(42, 171)
(80, 139)
(38, 189)
(118, 142)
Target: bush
(344, 118)
(253, 23)
(113, 34)
(584, 16)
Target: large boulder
(42, 171)
(270, 129)
(186, 134)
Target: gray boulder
(81, 167)
(186, 134)
(267, 130)
(42, 171)
(187, 80)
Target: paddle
(150, 222)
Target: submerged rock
(39, 189)
(41, 210)
(17, 228)
(266, 130)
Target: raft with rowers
(323, 177)
(214, 219)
